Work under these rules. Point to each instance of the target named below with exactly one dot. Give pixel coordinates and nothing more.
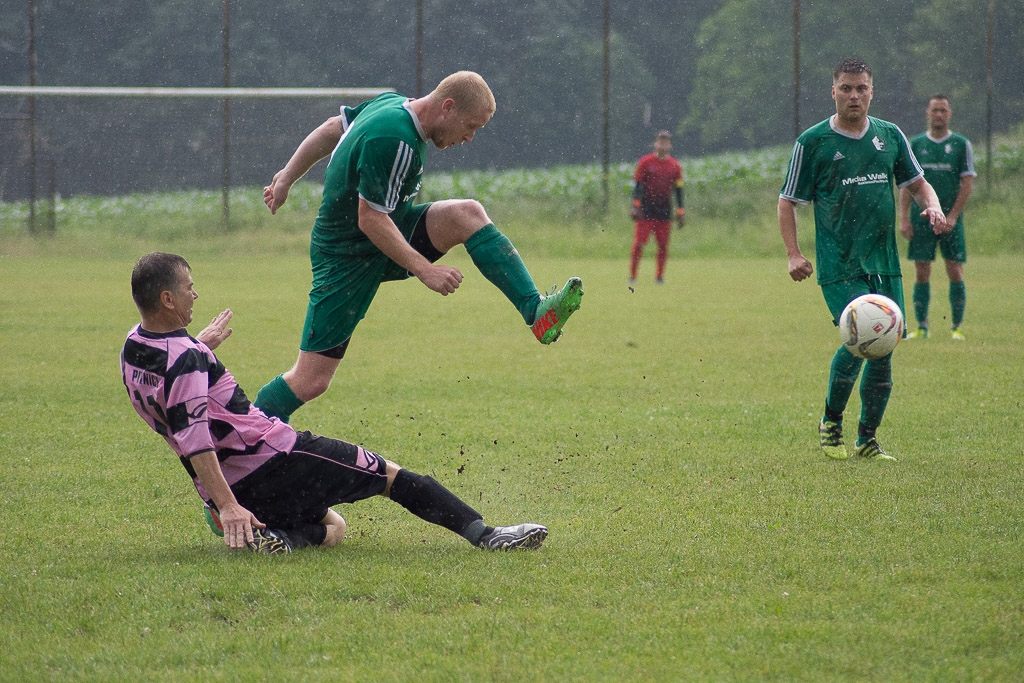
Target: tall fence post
(225, 192)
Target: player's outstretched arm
(312, 149)
(217, 331)
(925, 196)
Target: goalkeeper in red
(657, 178)
(370, 231)
(847, 166)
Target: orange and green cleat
(213, 519)
(554, 309)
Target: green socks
(499, 262)
(841, 378)
(957, 301)
(922, 297)
(875, 389)
(277, 399)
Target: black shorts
(299, 487)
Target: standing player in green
(948, 163)
(369, 231)
(847, 165)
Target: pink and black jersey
(186, 395)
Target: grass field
(668, 441)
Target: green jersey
(850, 181)
(945, 162)
(380, 159)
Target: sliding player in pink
(272, 489)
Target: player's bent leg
(497, 259)
(451, 222)
(335, 526)
(311, 375)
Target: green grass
(668, 441)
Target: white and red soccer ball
(871, 326)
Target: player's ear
(166, 299)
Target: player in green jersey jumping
(369, 231)
(847, 165)
(948, 163)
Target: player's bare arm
(236, 520)
(385, 235)
(217, 331)
(799, 267)
(906, 228)
(966, 188)
(925, 196)
(315, 147)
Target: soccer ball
(871, 326)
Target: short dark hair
(851, 65)
(155, 273)
(937, 96)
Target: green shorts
(344, 286)
(838, 294)
(952, 245)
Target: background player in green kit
(846, 165)
(948, 163)
(369, 231)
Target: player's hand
(442, 279)
(937, 220)
(238, 524)
(800, 268)
(680, 221)
(276, 193)
(217, 331)
(634, 213)
(906, 229)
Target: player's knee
(335, 532)
(473, 212)
(307, 386)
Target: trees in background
(718, 72)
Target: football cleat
(520, 537)
(555, 308)
(919, 333)
(269, 542)
(957, 334)
(872, 451)
(832, 439)
(213, 519)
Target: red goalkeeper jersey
(657, 178)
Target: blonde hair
(469, 91)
